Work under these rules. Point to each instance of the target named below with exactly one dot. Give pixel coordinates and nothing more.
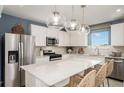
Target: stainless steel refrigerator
(19, 51)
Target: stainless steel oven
(52, 41)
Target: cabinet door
(61, 38)
(78, 38)
(73, 39)
(52, 33)
(117, 34)
(66, 39)
(40, 34)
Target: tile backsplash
(58, 50)
(105, 50)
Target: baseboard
(116, 79)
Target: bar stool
(86, 81)
(101, 75)
(110, 66)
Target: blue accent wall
(7, 22)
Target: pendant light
(55, 20)
(84, 28)
(1, 9)
(73, 24)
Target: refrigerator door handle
(22, 54)
(19, 55)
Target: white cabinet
(52, 33)
(64, 38)
(61, 38)
(72, 38)
(117, 34)
(78, 38)
(40, 34)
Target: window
(99, 37)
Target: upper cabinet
(117, 34)
(78, 38)
(64, 38)
(40, 34)
(70, 38)
(52, 33)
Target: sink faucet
(97, 50)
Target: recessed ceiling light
(118, 10)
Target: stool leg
(108, 82)
(103, 84)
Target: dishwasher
(118, 69)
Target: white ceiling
(94, 14)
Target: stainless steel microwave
(52, 41)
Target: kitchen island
(57, 73)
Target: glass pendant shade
(56, 20)
(72, 25)
(85, 28)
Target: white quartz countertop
(55, 71)
(115, 57)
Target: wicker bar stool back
(110, 66)
(88, 80)
(101, 75)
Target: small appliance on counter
(52, 55)
(69, 50)
(80, 51)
